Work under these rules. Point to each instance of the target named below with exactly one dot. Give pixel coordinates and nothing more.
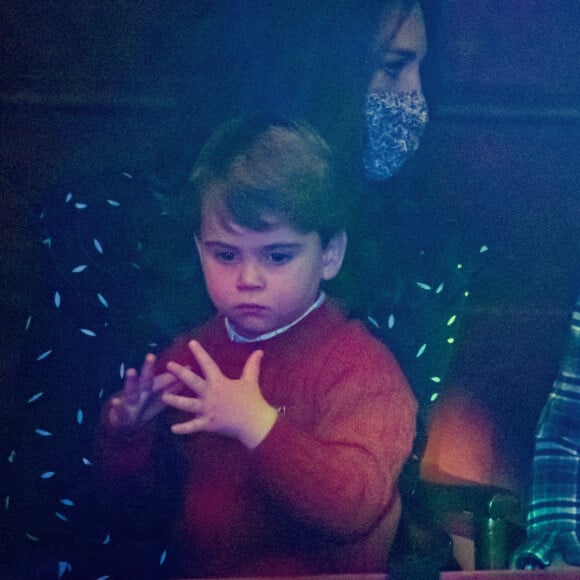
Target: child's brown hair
(265, 172)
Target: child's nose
(250, 276)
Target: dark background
(94, 86)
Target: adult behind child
(361, 73)
(293, 422)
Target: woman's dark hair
(260, 172)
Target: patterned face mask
(395, 124)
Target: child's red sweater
(319, 494)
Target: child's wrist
(253, 436)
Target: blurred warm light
(461, 443)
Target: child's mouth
(250, 309)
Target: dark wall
(508, 123)
(515, 178)
(86, 89)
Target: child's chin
(250, 331)
(251, 324)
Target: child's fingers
(188, 404)
(187, 377)
(131, 387)
(118, 415)
(164, 381)
(147, 370)
(251, 370)
(174, 388)
(193, 426)
(207, 365)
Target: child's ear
(333, 255)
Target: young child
(294, 421)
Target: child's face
(262, 280)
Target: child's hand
(140, 399)
(235, 408)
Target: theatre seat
(453, 525)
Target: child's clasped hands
(231, 407)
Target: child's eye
(279, 258)
(225, 256)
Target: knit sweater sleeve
(342, 476)
(121, 455)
